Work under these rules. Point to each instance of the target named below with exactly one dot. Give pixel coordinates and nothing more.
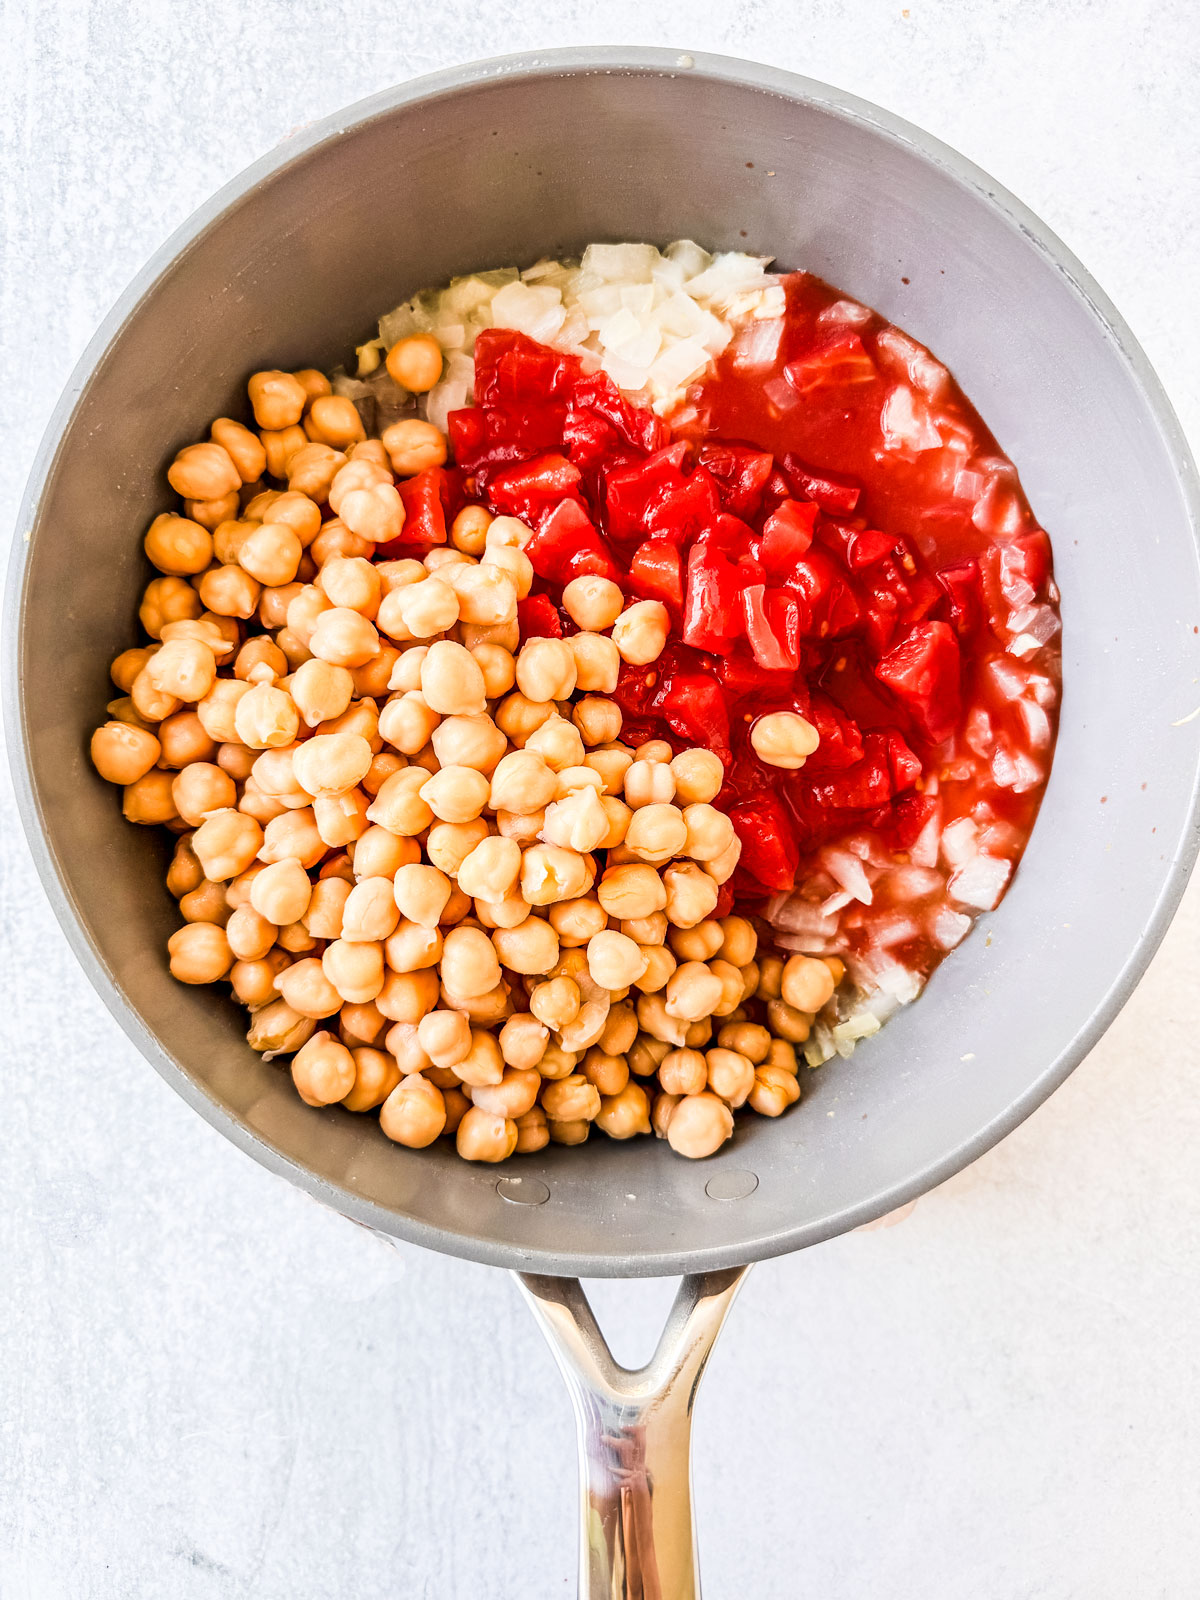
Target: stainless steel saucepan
(500, 163)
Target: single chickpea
(280, 445)
(413, 445)
(229, 591)
(640, 632)
(305, 609)
(483, 1064)
(748, 1039)
(692, 992)
(412, 947)
(332, 419)
(211, 513)
(323, 1070)
(619, 816)
(783, 739)
(597, 662)
(469, 742)
(788, 1023)
(530, 948)
(593, 603)
(498, 668)
(203, 472)
(739, 941)
(626, 1114)
(571, 1099)
(660, 967)
(375, 513)
(568, 1133)
(414, 1113)
(360, 1025)
(656, 832)
(615, 961)
(126, 666)
(533, 1132)
(242, 447)
(260, 660)
(709, 831)
(456, 794)
(770, 977)
(525, 828)
(201, 789)
(783, 1054)
(577, 823)
(369, 913)
(451, 681)
(651, 930)
(555, 1002)
(331, 763)
(271, 554)
(450, 843)
(445, 1037)
(168, 599)
(519, 717)
(199, 953)
(546, 670)
(491, 870)
(523, 1040)
(122, 753)
(550, 873)
(184, 872)
(297, 511)
(281, 892)
(631, 891)
(469, 963)
(264, 717)
(730, 1075)
(701, 942)
(487, 596)
(699, 1034)
(277, 1030)
(296, 653)
(646, 1054)
(422, 610)
(598, 720)
(619, 1031)
(406, 672)
(343, 637)
(380, 854)
(320, 691)
(807, 984)
(577, 921)
(691, 895)
(732, 988)
(250, 936)
(308, 991)
(183, 668)
(514, 564)
(698, 1125)
(399, 807)
(206, 903)
(314, 383)
(514, 1096)
(354, 970)
(407, 996)
(683, 1072)
(557, 1063)
(375, 1076)
(178, 546)
(277, 400)
(485, 1136)
(522, 783)
(698, 775)
(371, 680)
(253, 983)
(148, 799)
(323, 918)
(775, 1089)
(408, 722)
(468, 531)
(415, 363)
(362, 718)
(606, 1072)
(650, 783)
(656, 1020)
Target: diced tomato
(866, 546)
(828, 603)
(835, 496)
(509, 366)
(838, 361)
(695, 707)
(743, 678)
(538, 618)
(841, 738)
(769, 852)
(636, 425)
(655, 571)
(856, 788)
(467, 434)
(567, 544)
(424, 499)
(787, 533)
(712, 608)
(903, 763)
(531, 488)
(963, 585)
(741, 474)
(924, 672)
(772, 627)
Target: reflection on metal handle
(634, 1433)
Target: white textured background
(211, 1388)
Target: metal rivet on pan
(525, 1191)
(731, 1185)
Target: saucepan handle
(634, 1431)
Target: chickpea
(555, 1002)
(473, 741)
(701, 942)
(178, 546)
(184, 872)
(626, 1114)
(775, 1089)
(203, 472)
(525, 828)
(127, 666)
(407, 722)
(646, 1054)
(323, 1070)
(530, 948)
(313, 383)
(650, 783)
(782, 1054)
(445, 1037)
(698, 1125)
(250, 936)
(597, 664)
(278, 1030)
(519, 718)
(281, 892)
(242, 448)
(369, 913)
(362, 718)
(792, 1025)
(415, 363)
(614, 960)
(514, 564)
(608, 1073)
(487, 596)
(360, 1026)
(568, 1133)
(683, 1072)
(277, 399)
(422, 610)
(211, 513)
(354, 970)
(407, 996)
(698, 775)
(558, 742)
(730, 1075)
(451, 680)
(468, 531)
(184, 669)
(523, 1041)
(491, 870)
(371, 680)
(413, 445)
(260, 660)
(693, 991)
(168, 599)
(656, 832)
(546, 670)
(770, 977)
(265, 718)
(806, 984)
(556, 1063)
(485, 1136)
(398, 806)
(253, 983)
(450, 843)
(304, 611)
(571, 1099)
(514, 1096)
(748, 1039)
(629, 891)
(691, 895)
(593, 603)
(598, 720)
(333, 420)
(331, 763)
(656, 1020)
(660, 967)
(375, 1076)
(483, 1064)
(296, 653)
(199, 953)
(469, 964)
(619, 1031)
(206, 903)
(618, 816)
(323, 918)
(783, 739)
(578, 823)
(577, 921)
(521, 783)
(308, 991)
(497, 666)
(533, 1132)
(640, 632)
(414, 1112)
(122, 753)
(229, 591)
(202, 789)
(271, 554)
(456, 794)
(739, 941)
(343, 637)
(280, 445)
(412, 947)
(148, 799)
(709, 831)
(550, 873)
(320, 691)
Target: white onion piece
(758, 344)
(906, 425)
(846, 870)
(845, 311)
(959, 842)
(980, 883)
(949, 928)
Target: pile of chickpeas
(415, 849)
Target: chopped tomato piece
(655, 571)
(828, 603)
(963, 585)
(538, 618)
(835, 497)
(424, 499)
(787, 534)
(510, 366)
(924, 672)
(772, 627)
(741, 474)
(769, 852)
(568, 545)
(712, 608)
(695, 707)
(529, 489)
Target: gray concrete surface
(211, 1388)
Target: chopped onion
(907, 427)
(949, 928)
(927, 375)
(847, 311)
(452, 391)
(980, 883)
(758, 344)
(959, 842)
(846, 869)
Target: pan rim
(573, 61)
